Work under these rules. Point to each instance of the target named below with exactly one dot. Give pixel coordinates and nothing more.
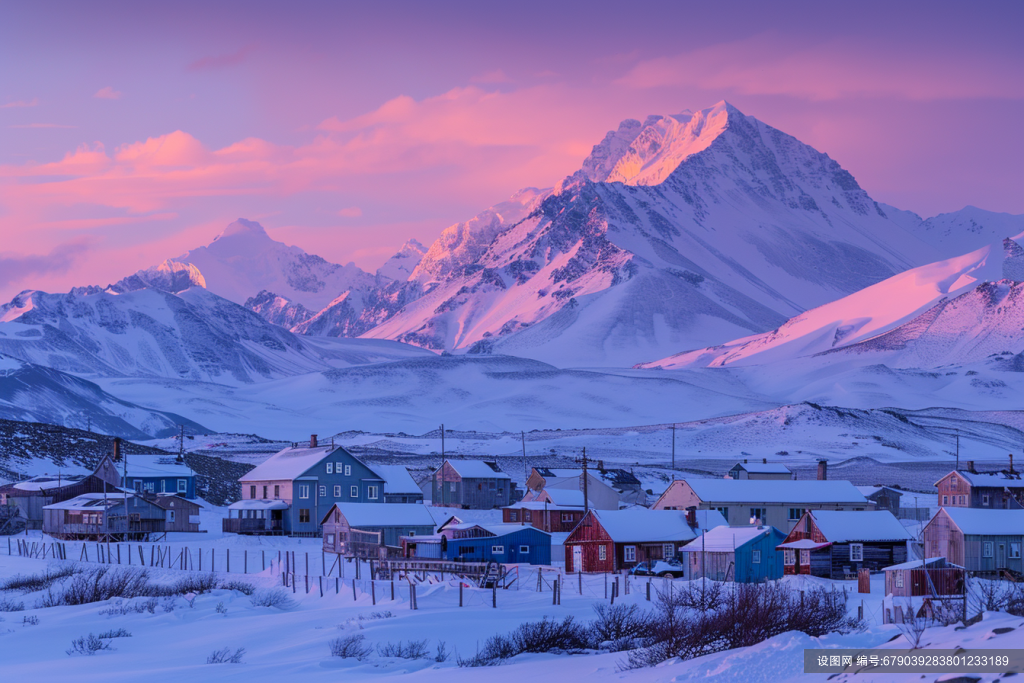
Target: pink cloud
(20, 103)
(769, 65)
(107, 93)
(493, 76)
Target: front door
(577, 558)
(1001, 556)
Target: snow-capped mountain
(34, 393)
(278, 310)
(959, 310)
(400, 266)
(243, 261)
(678, 231)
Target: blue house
(506, 543)
(292, 491)
(741, 554)
(157, 474)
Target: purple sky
(131, 132)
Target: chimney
(117, 449)
(970, 466)
(822, 470)
(744, 461)
(691, 516)
(312, 440)
(764, 461)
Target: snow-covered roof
(839, 526)
(476, 469)
(641, 525)
(503, 529)
(764, 468)
(775, 491)
(916, 564)
(995, 480)
(259, 504)
(396, 479)
(155, 466)
(726, 539)
(982, 522)
(872, 490)
(47, 481)
(803, 544)
(90, 501)
(384, 514)
(290, 463)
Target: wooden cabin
(741, 554)
(884, 497)
(391, 521)
(777, 503)
(607, 488)
(760, 470)
(934, 577)
(471, 484)
(992, 491)
(550, 510)
(99, 516)
(158, 474)
(835, 544)
(611, 540)
(180, 514)
(979, 540)
(31, 496)
(504, 543)
(399, 486)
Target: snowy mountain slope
(278, 310)
(33, 393)
(717, 221)
(949, 303)
(400, 266)
(243, 261)
(961, 231)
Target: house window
(984, 500)
(795, 514)
(412, 533)
(987, 549)
(602, 552)
(479, 487)
(899, 579)
(138, 485)
(264, 493)
(755, 556)
(566, 516)
(329, 539)
(371, 492)
(149, 486)
(789, 556)
(182, 486)
(629, 553)
(1015, 551)
(497, 550)
(952, 482)
(945, 500)
(330, 468)
(303, 515)
(163, 486)
(451, 486)
(353, 492)
(856, 552)
(668, 550)
(524, 550)
(528, 515)
(323, 491)
(252, 491)
(337, 491)
(304, 491)
(725, 512)
(348, 470)
(170, 516)
(512, 516)
(757, 515)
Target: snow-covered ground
(292, 643)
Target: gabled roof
(140, 466)
(289, 464)
(641, 525)
(872, 490)
(259, 504)
(614, 477)
(840, 526)
(763, 467)
(930, 562)
(724, 539)
(477, 469)
(91, 501)
(562, 497)
(981, 522)
(396, 479)
(47, 482)
(775, 491)
(384, 514)
(991, 479)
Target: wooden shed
(390, 520)
(610, 540)
(934, 577)
(506, 543)
(835, 544)
(471, 484)
(740, 554)
(98, 516)
(180, 514)
(979, 540)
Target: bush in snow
(350, 647)
(240, 586)
(621, 626)
(97, 585)
(30, 621)
(386, 614)
(410, 649)
(88, 645)
(119, 633)
(221, 609)
(441, 654)
(121, 608)
(37, 582)
(194, 583)
(226, 656)
(9, 605)
(546, 635)
(271, 598)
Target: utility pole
(958, 450)
(586, 498)
(526, 470)
(673, 446)
(443, 494)
(181, 444)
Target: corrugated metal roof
(288, 464)
(775, 491)
(839, 526)
(476, 469)
(385, 514)
(641, 525)
(981, 522)
(726, 539)
(396, 479)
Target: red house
(610, 540)
(554, 511)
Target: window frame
(304, 512)
(183, 486)
(899, 578)
(670, 547)
(629, 553)
(602, 552)
(337, 490)
(513, 516)
(789, 557)
(330, 468)
(988, 549)
(252, 491)
(304, 491)
(854, 548)
(524, 550)
(497, 550)
(984, 499)
(348, 470)
(353, 492)
(371, 492)
(755, 557)
(1014, 551)
(277, 491)
(323, 491)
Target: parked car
(670, 568)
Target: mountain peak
(243, 227)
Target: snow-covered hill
(678, 231)
(961, 310)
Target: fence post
(373, 592)
(323, 564)
(494, 594)
(307, 584)
(263, 560)
(460, 591)
(294, 589)
(229, 561)
(353, 590)
(648, 591)
(245, 561)
(860, 611)
(615, 587)
(606, 585)
(307, 563)
(320, 582)
(142, 556)
(393, 588)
